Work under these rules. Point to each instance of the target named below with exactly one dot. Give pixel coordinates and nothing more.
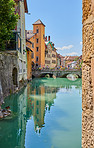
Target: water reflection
(12, 129)
(31, 104)
(40, 98)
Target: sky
(63, 21)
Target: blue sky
(63, 20)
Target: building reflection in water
(41, 96)
(39, 100)
(32, 101)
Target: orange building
(29, 59)
(37, 37)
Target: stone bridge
(56, 73)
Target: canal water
(45, 114)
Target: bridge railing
(55, 69)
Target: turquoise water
(45, 114)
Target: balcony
(14, 43)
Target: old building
(18, 43)
(29, 59)
(43, 50)
(69, 59)
(13, 70)
(54, 57)
(50, 54)
(37, 37)
(22, 60)
(62, 60)
(58, 60)
(30, 39)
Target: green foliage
(76, 59)
(8, 21)
(81, 64)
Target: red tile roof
(38, 22)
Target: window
(37, 40)
(53, 61)
(47, 62)
(43, 36)
(32, 55)
(53, 55)
(23, 49)
(48, 56)
(37, 58)
(37, 103)
(37, 49)
(37, 64)
(37, 110)
(37, 30)
(32, 45)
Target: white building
(22, 60)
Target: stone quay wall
(88, 75)
(7, 63)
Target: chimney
(48, 38)
(53, 44)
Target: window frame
(37, 40)
(37, 58)
(37, 30)
(32, 45)
(37, 49)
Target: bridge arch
(65, 75)
(44, 74)
(33, 76)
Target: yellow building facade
(50, 53)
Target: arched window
(14, 76)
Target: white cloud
(72, 53)
(80, 43)
(65, 47)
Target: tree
(8, 21)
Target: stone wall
(7, 63)
(88, 75)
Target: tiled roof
(48, 42)
(29, 34)
(29, 31)
(71, 58)
(38, 22)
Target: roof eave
(39, 24)
(25, 5)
